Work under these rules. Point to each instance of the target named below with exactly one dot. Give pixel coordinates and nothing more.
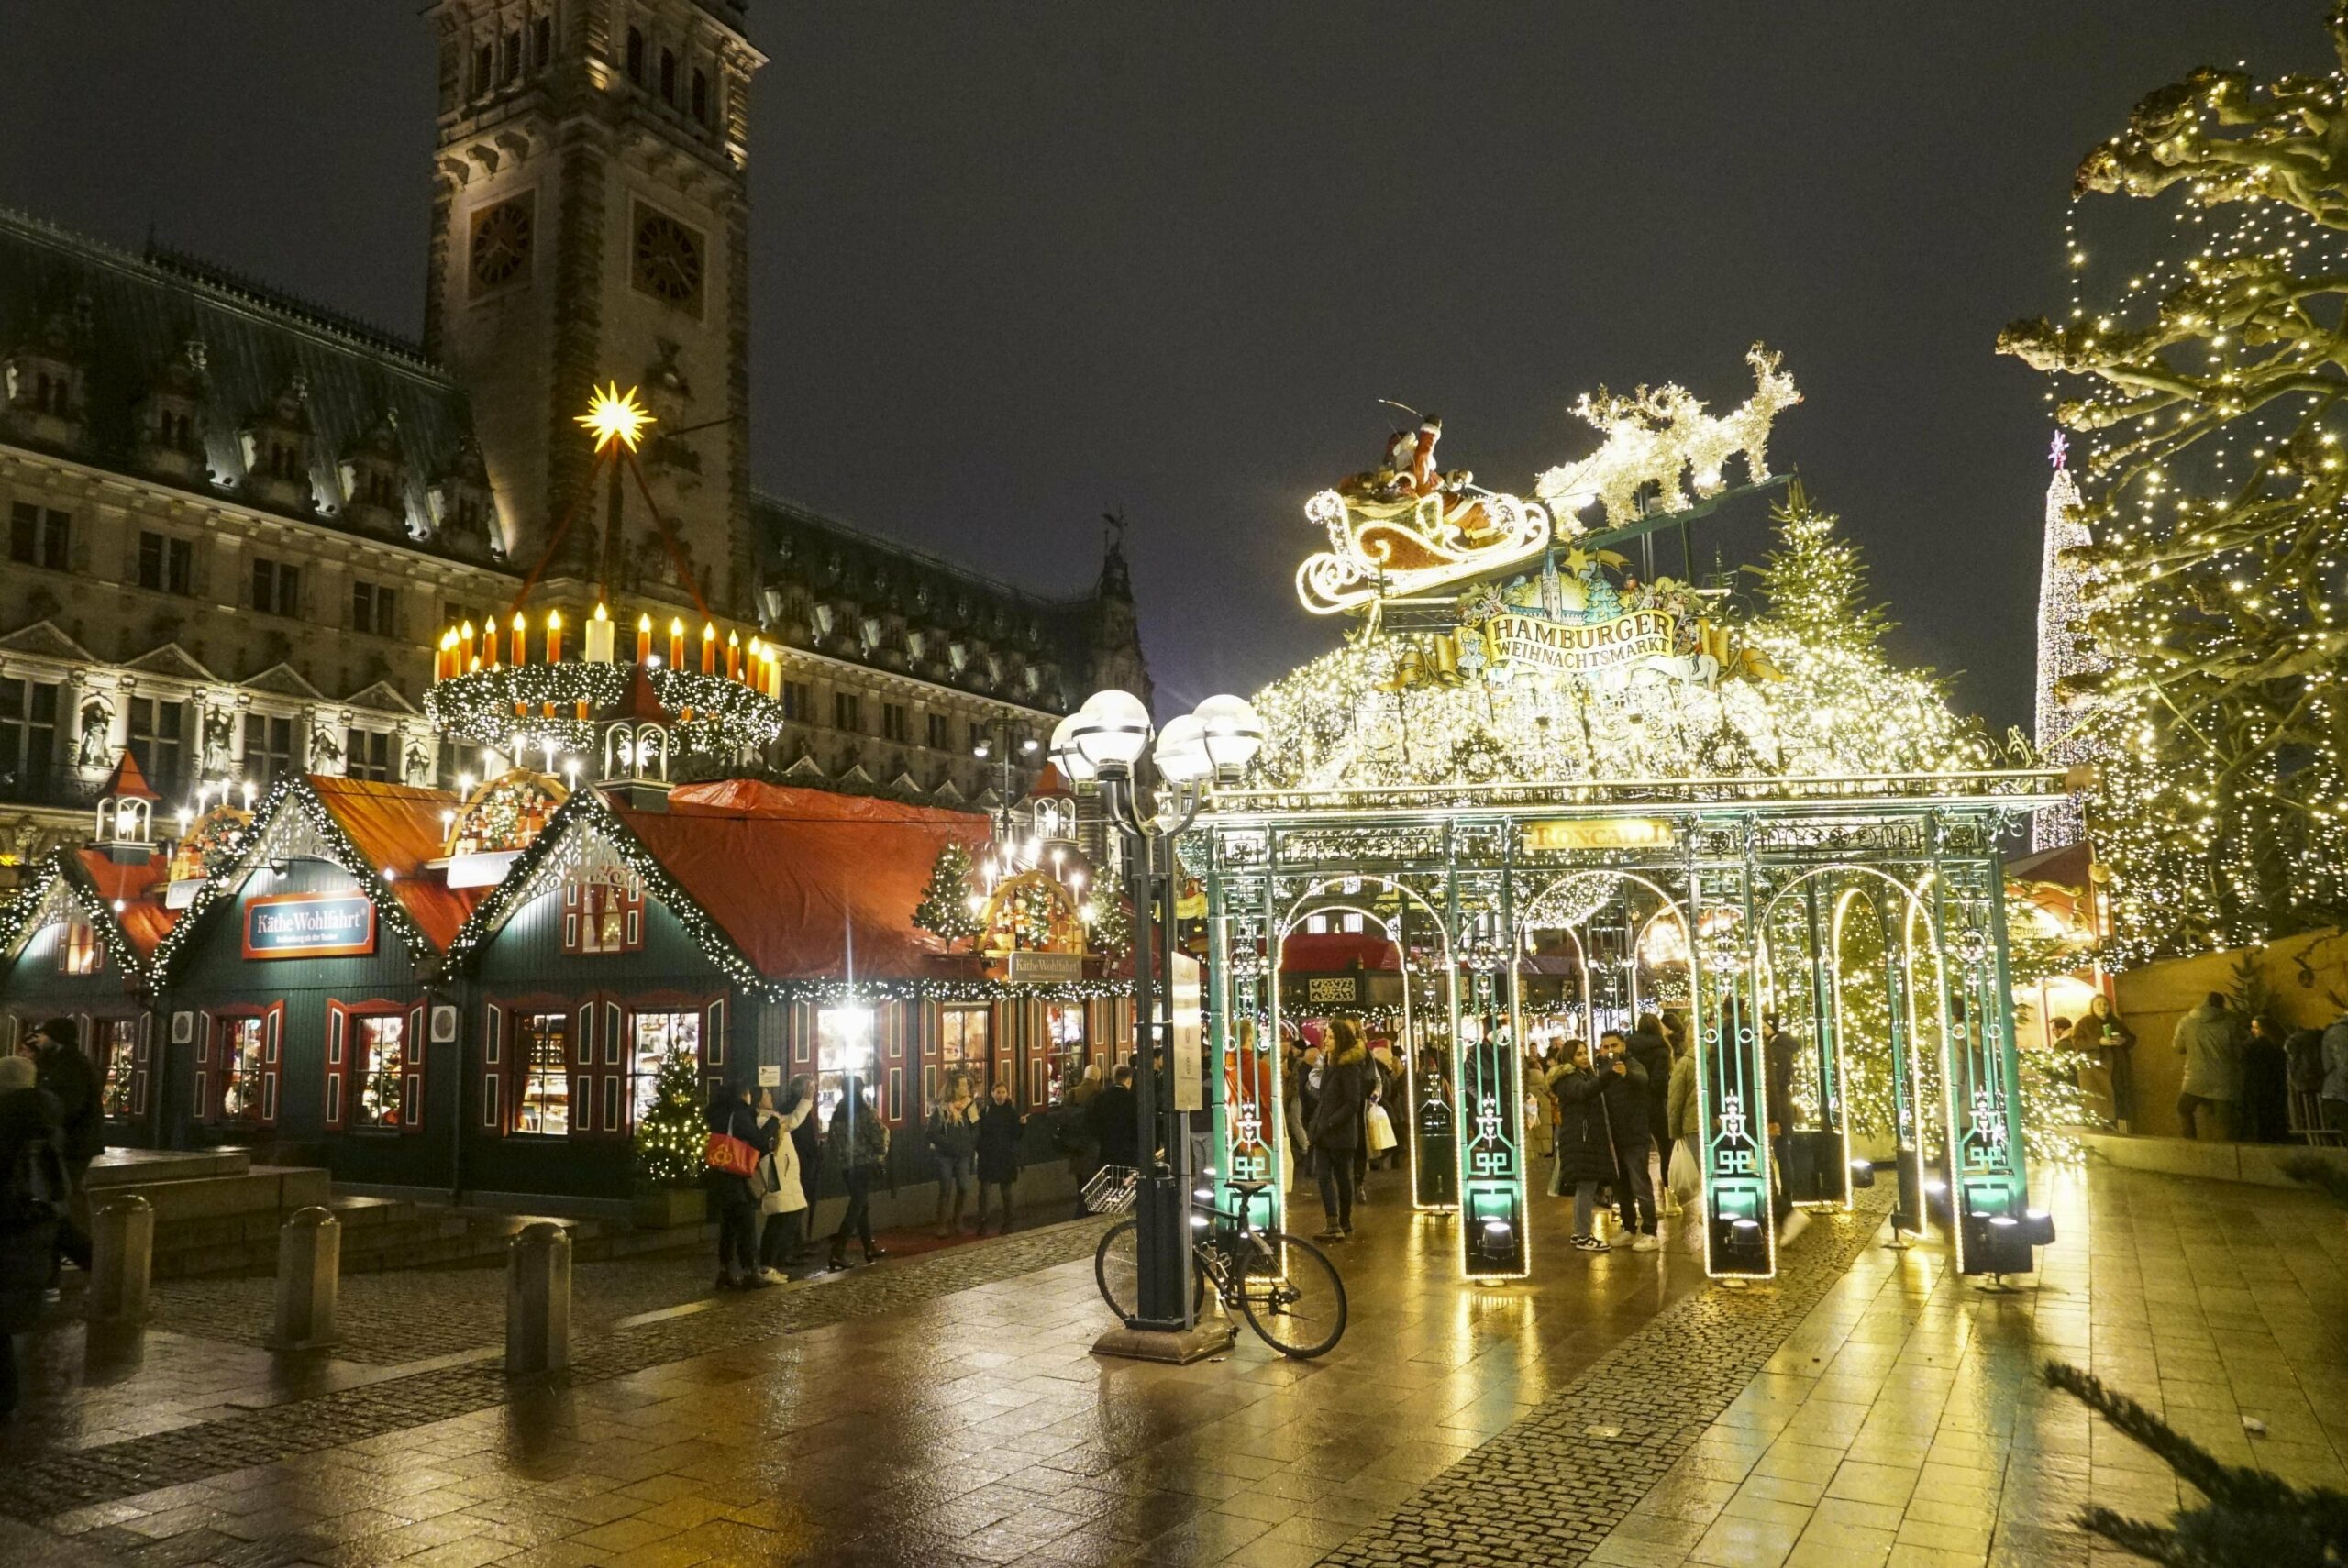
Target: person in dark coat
(1112, 1112)
(1651, 1049)
(731, 1112)
(63, 1068)
(1777, 1052)
(2266, 1084)
(29, 1215)
(1585, 1142)
(1336, 1128)
(999, 1129)
(1630, 1097)
(857, 1141)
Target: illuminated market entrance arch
(1735, 860)
(1730, 801)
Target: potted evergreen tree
(669, 1140)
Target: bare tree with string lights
(2213, 487)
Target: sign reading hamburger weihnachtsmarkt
(309, 926)
(1560, 647)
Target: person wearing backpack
(33, 1195)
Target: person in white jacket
(783, 1205)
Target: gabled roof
(366, 829)
(137, 888)
(794, 876)
(398, 828)
(94, 884)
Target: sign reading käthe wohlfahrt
(309, 926)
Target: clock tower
(589, 224)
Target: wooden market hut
(767, 929)
(301, 987)
(78, 941)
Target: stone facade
(237, 521)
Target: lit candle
(709, 648)
(644, 640)
(733, 656)
(554, 637)
(677, 643)
(521, 641)
(467, 635)
(489, 645)
(601, 634)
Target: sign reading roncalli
(1570, 649)
(1599, 833)
(309, 926)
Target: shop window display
(542, 1044)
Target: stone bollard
(122, 1257)
(538, 1299)
(309, 1276)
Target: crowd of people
(764, 1217)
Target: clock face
(668, 260)
(501, 246)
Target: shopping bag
(1382, 1131)
(1686, 1177)
(735, 1156)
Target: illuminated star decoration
(615, 415)
(2061, 449)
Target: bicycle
(1285, 1287)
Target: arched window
(669, 78)
(636, 56)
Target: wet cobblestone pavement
(944, 1411)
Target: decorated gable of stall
(298, 989)
(78, 942)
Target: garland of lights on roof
(292, 806)
(587, 818)
(63, 884)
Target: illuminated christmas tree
(945, 907)
(2218, 496)
(2063, 653)
(669, 1134)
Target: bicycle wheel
(1116, 1267)
(1292, 1295)
(1117, 1270)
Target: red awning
(398, 827)
(790, 873)
(1332, 952)
(142, 917)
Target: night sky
(1016, 264)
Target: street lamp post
(1103, 742)
(1002, 742)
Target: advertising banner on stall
(309, 926)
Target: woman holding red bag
(731, 1116)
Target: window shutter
(141, 1063)
(492, 1108)
(338, 1044)
(272, 1042)
(412, 1072)
(582, 1084)
(714, 1037)
(202, 1059)
(614, 1078)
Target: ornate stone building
(237, 521)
